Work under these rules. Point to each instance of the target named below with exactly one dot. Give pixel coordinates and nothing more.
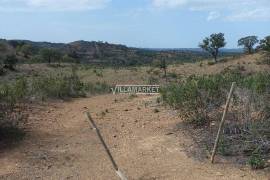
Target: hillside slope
(116, 54)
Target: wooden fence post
(118, 172)
(222, 122)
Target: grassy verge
(14, 94)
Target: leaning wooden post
(222, 122)
(118, 172)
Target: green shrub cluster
(198, 95)
(98, 73)
(49, 86)
(200, 98)
(256, 160)
(57, 86)
(13, 92)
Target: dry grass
(248, 63)
(142, 75)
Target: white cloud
(232, 10)
(51, 5)
(255, 14)
(169, 3)
(213, 15)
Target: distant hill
(106, 53)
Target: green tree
(51, 55)
(10, 61)
(213, 43)
(248, 43)
(73, 54)
(68, 59)
(27, 50)
(265, 44)
(3, 47)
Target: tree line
(216, 41)
(13, 52)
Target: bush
(68, 59)
(98, 73)
(198, 95)
(256, 161)
(57, 86)
(210, 63)
(13, 92)
(195, 96)
(10, 113)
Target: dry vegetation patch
(200, 100)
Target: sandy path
(60, 144)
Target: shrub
(57, 86)
(223, 147)
(256, 161)
(198, 95)
(10, 113)
(210, 63)
(98, 73)
(194, 97)
(13, 92)
(68, 59)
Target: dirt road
(59, 144)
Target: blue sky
(136, 23)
